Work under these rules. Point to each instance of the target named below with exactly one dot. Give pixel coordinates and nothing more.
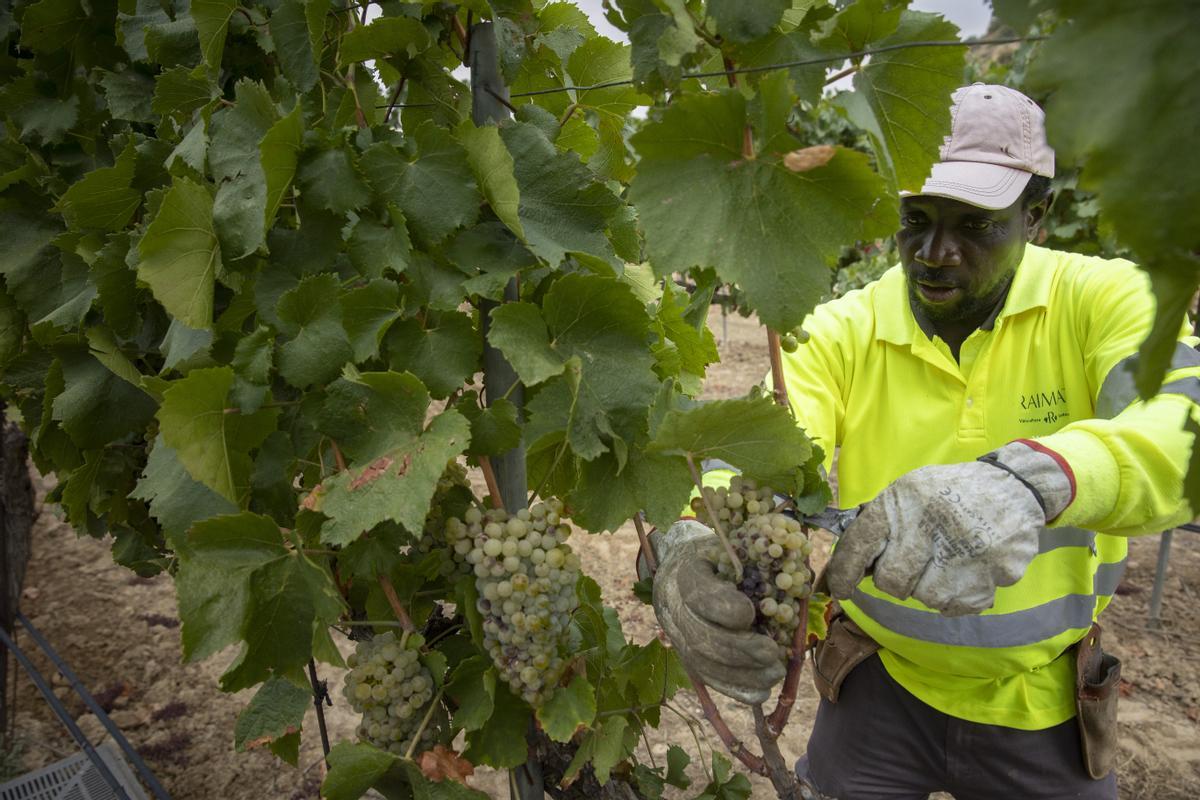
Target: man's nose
(938, 249)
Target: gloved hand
(949, 535)
(708, 620)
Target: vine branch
(493, 485)
(753, 762)
(389, 591)
(647, 550)
(787, 696)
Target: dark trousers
(878, 742)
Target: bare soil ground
(121, 635)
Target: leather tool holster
(846, 646)
(1097, 682)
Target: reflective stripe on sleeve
(1119, 389)
(1015, 629)
(1188, 387)
(1066, 536)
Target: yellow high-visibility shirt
(1054, 362)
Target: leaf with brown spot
(373, 472)
(809, 158)
(441, 763)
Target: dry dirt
(121, 635)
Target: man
(981, 395)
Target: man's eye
(977, 224)
(912, 220)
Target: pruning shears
(836, 521)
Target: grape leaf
(609, 493)
(563, 206)
(240, 208)
(354, 768)
(376, 247)
(494, 430)
(493, 251)
(97, 407)
(51, 285)
(367, 313)
(743, 22)
(289, 601)
(441, 170)
(180, 254)
(780, 47)
(212, 22)
(103, 198)
(330, 179)
(212, 444)
(443, 353)
(773, 231)
(604, 747)
(252, 355)
(1103, 86)
(902, 97)
(293, 46)
(500, 742)
(691, 345)
(493, 168)
(128, 94)
(176, 499)
(373, 413)
(598, 328)
(519, 331)
(725, 786)
(569, 708)
(758, 437)
(229, 571)
(181, 344)
(279, 151)
(386, 36)
(37, 112)
(276, 710)
(179, 92)
(312, 315)
(601, 61)
(473, 687)
(396, 486)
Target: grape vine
(257, 254)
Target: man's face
(959, 258)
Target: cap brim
(985, 185)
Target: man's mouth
(938, 292)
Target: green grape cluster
(791, 341)
(525, 576)
(392, 689)
(773, 549)
(453, 488)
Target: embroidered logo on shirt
(1046, 407)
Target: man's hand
(950, 535)
(709, 621)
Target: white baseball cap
(997, 142)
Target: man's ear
(1035, 213)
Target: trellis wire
(807, 62)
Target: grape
(788, 343)
(772, 548)
(393, 691)
(525, 576)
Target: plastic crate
(74, 778)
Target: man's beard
(969, 306)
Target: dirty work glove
(708, 620)
(949, 535)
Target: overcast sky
(971, 16)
